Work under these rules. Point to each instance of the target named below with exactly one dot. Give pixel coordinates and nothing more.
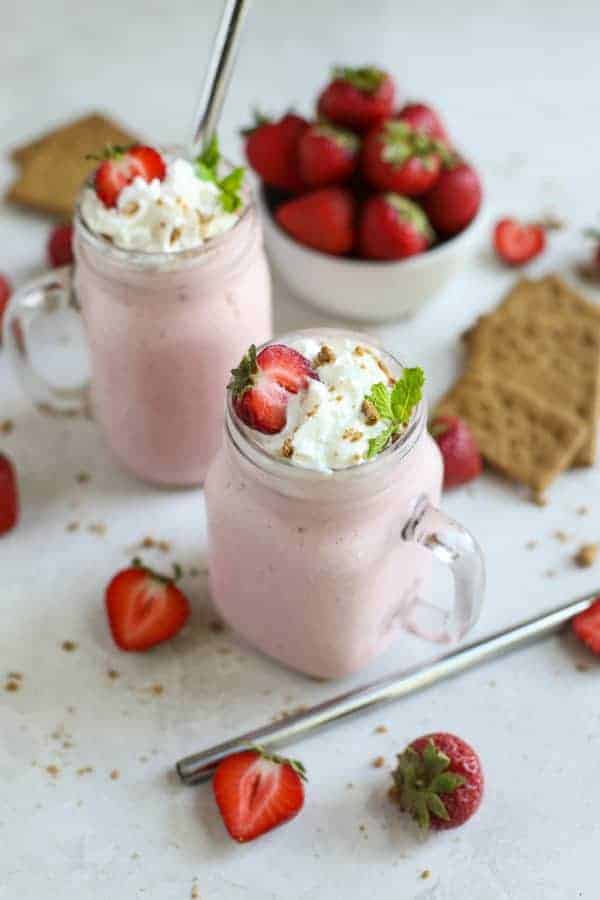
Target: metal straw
(218, 73)
(201, 766)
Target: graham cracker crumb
(12, 686)
(15, 676)
(539, 499)
(164, 546)
(148, 543)
(72, 526)
(425, 874)
(324, 357)
(378, 762)
(175, 235)
(362, 828)
(98, 528)
(68, 646)
(352, 435)
(339, 398)
(83, 477)
(370, 412)
(85, 770)
(360, 351)
(287, 449)
(130, 208)
(381, 729)
(194, 894)
(561, 536)
(157, 690)
(115, 775)
(6, 426)
(217, 627)
(582, 667)
(586, 556)
(313, 411)
(582, 510)
(53, 771)
(113, 674)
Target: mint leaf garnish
(407, 392)
(395, 405)
(207, 168)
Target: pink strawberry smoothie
(307, 558)
(165, 327)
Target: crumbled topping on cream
(326, 425)
(178, 213)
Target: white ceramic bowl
(365, 290)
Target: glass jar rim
(283, 468)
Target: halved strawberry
(517, 243)
(586, 626)
(119, 167)
(9, 495)
(256, 792)
(145, 608)
(262, 383)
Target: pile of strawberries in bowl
(352, 201)
(365, 179)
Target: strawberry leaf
(365, 78)
(436, 806)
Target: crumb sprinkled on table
(586, 556)
(381, 729)
(378, 762)
(83, 477)
(115, 775)
(6, 426)
(68, 646)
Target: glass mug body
(163, 331)
(321, 571)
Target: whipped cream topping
(326, 426)
(178, 213)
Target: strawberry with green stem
(357, 98)
(397, 157)
(395, 406)
(438, 781)
(230, 186)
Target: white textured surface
(519, 86)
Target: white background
(519, 89)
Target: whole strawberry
(425, 119)
(392, 227)
(5, 292)
(586, 626)
(462, 460)
(357, 98)
(438, 781)
(396, 157)
(60, 245)
(322, 219)
(327, 155)
(9, 495)
(454, 199)
(272, 151)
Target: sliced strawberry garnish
(120, 167)
(144, 608)
(517, 243)
(262, 383)
(60, 245)
(9, 495)
(256, 792)
(586, 626)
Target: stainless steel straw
(201, 766)
(219, 72)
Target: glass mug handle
(456, 548)
(44, 296)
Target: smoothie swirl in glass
(321, 507)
